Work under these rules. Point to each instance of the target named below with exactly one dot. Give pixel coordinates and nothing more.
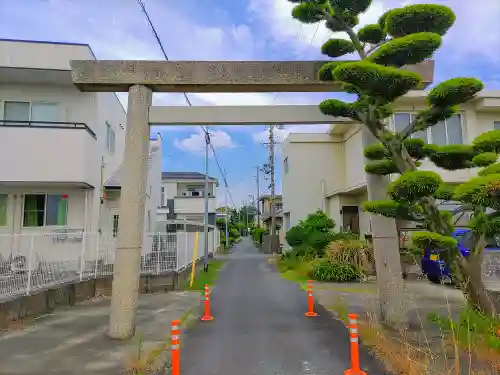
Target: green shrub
(324, 270)
(357, 253)
(257, 234)
(296, 235)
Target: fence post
(30, 264)
(158, 252)
(186, 246)
(82, 256)
(96, 253)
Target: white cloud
(195, 143)
(277, 16)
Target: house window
(448, 132)
(114, 229)
(16, 111)
(285, 165)
(4, 199)
(496, 125)
(110, 138)
(35, 111)
(45, 210)
(45, 112)
(162, 198)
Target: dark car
(436, 268)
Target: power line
(207, 134)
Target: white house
(60, 157)
(333, 163)
(182, 197)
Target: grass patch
(201, 278)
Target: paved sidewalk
(260, 327)
(73, 341)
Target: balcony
(47, 152)
(187, 205)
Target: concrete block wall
(67, 295)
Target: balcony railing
(48, 125)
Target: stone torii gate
(140, 79)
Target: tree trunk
(473, 286)
(393, 306)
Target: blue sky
(234, 30)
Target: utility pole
(205, 193)
(246, 226)
(273, 192)
(227, 210)
(257, 170)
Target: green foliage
(454, 91)
(325, 73)
(389, 208)
(296, 235)
(451, 157)
(487, 225)
(308, 12)
(410, 49)
(431, 116)
(375, 151)
(337, 108)
(315, 232)
(372, 34)
(445, 192)
(487, 142)
(337, 47)
(415, 147)
(484, 159)
(381, 167)
(470, 329)
(431, 240)
(356, 252)
(384, 83)
(413, 185)
(419, 18)
(319, 221)
(318, 240)
(353, 6)
(257, 234)
(325, 270)
(382, 19)
(480, 191)
(490, 169)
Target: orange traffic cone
(176, 355)
(310, 300)
(206, 316)
(353, 335)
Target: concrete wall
(50, 154)
(42, 55)
(46, 301)
(316, 165)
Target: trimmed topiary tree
(403, 36)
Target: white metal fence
(29, 262)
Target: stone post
(386, 249)
(132, 205)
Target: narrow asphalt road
(260, 327)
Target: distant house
(182, 197)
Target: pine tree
(406, 36)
